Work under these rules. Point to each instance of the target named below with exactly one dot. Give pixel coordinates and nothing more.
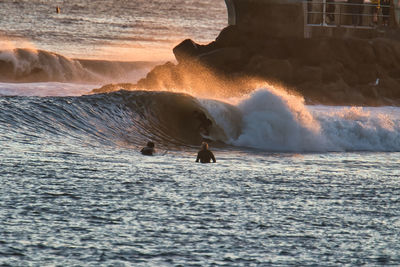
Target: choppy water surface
(109, 206)
(293, 184)
(77, 193)
(123, 30)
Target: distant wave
(267, 119)
(28, 65)
(45, 89)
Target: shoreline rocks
(330, 71)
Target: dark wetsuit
(205, 156)
(148, 151)
(205, 123)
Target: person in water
(204, 122)
(148, 150)
(205, 155)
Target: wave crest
(268, 119)
(30, 65)
(275, 120)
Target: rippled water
(69, 198)
(76, 192)
(122, 30)
(108, 206)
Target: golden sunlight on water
(118, 30)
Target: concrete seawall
(297, 18)
(270, 18)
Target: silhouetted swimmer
(148, 150)
(205, 155)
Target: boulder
(350, 76)
(385, 55)
(273, 49)
(186, 50)
(367, 73)
(341, 52)
(278, 70)
(229, 36)
(370, 92)
(311, 52)
(161, 77)
(331, 72)
(361, 52)
(389, 87)
(224, 58)
(306, 74)
(324, 70)
(340, 92)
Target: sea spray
(275, 120)
(32, 65)
(268, 119)
(272, 119)
(228, 117)
(360, 128)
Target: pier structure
(314, 18)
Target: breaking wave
(274, 120)
(268, 120)
(115, 118)
(30, 65)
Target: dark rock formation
(189, 50)
(186, 50)
(333, 71)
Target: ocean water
(294, 184)
(116, 30)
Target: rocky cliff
(329, 71)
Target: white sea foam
(357, 128)
(32, 64)
(274, 120)
(228, 117)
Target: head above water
(150, 144)
(204, 146)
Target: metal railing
(335, 13)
